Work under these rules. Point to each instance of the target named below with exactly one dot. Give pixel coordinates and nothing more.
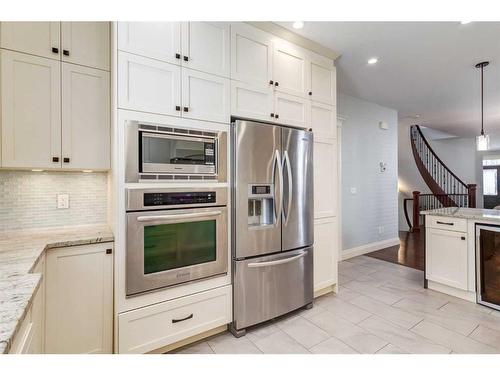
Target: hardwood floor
(409, 253)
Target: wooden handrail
(437, 157)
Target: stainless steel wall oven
(157, 152)
(174, 236)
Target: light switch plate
(62, 200)
(354, 190)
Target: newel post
(416, 212)
(472, 195)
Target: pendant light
(483, 140)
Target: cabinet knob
(65, 52)
(109, 251)
(272, 114)
(66, 160)
(186, 109)
(310, 92)
(462, 238)
(55, 50)
(277, 116)
(186, 58)
(55, 159)
(178, 56)
(276, 84)
(177, 107)
(271, 82)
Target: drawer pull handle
(276, 262)
(444, 223)
(183, 319)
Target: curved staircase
(447, 189)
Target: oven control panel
(178, 198)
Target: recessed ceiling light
(372, 61)
(465, 22)
(298, 25)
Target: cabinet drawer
(446, 223)
(153, 327)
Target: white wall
(364, 146)
(459, 154)
(28, 199)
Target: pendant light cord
(482, 106)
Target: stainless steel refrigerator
(272, 221)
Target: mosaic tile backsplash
(29, 199)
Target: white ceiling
(424, 68)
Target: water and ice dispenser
(260, 205)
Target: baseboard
(368, 248)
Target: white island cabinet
(450, 249)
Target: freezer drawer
(270, 286)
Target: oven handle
(276, 262)
(143, 219)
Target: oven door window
(171, 246)
(171, 150)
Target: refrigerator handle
(286, 160)
(277, 162)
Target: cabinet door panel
(36, 38)
(446, 257)
(86, 43)
(323, 120)
(157, 40)
(326, 251)
(85, 117)
(251, 54)
(325, 179)
(79, 300)
(322, 80)
(206, 45)
(289, 69)
(205, 96)
(148, 85)
(31, 111)
(291, 110)
(251, 101)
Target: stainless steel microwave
(157, 152)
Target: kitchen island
(450, 249)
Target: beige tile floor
(380, 308)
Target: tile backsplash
(29, 199)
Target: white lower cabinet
(325, 252)
(325, 178)
(79, 299)
(446, 257)
(156, 326)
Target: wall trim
(368, 248)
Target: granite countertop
(19, 252)
(466, 213)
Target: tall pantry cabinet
(55, 95)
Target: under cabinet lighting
(298, 25)
(372, 61)
(37, 170)
(464, 22)
(87, 171)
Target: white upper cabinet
(251, 101)
(36, 38)
(291, 110)
(148, 85)
(206, 46)
(289, 68)
(322, 79)
(86, 43)
(205, 96)
(157, 40)
(251, 54)
(323, 120)
(31, 111)
(85, 118)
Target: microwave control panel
(169, 199)
(209, 153)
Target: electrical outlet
(380, 230)
(354, 190)
(62, 200)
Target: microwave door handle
(286, 160)
(143, 219)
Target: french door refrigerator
(272, 221)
